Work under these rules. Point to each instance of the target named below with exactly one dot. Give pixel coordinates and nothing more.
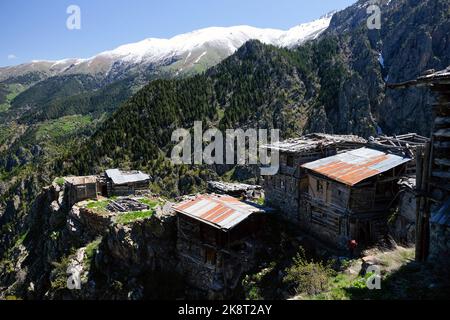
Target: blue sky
(34, 30)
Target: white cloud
(11, 56)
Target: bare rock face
(143, 245)
(412, 39)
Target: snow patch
(201, 56)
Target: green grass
(129, 217)
(60, 181)
(91, 248)
(14, 90)
(21, 239)
(148, 202)
(62, 127)
(98, 207)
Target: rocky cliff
(69, 253)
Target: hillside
(334, 84)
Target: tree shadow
(412, 281)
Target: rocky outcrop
(414, 37)
(143, 246)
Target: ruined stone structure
(282, 191)
(348, 196)
(81, 188)
(403, 224)
(433, 175)
(215, 241)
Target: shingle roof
(313, 141)
(442, 76)
(355, 166)
(220, 211)
(122, 177)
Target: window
(319, 186)
(290, 161)
(210, 256)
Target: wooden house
(215, 240)
(81, 188)
(124, 183)
(282, 191)
(348, 196)
(433, 178)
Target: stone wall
(439, 244)
(403, 226)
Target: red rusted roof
(355, 166)
(221, 211)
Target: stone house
(216, 241)
(282, 191)
(81, 188)
(348, 196)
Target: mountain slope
(334, 84)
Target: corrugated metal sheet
(121, 177)
(355, 166)
(442, 215)
(221, 211)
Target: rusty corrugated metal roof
(221, 211)
(355, 166)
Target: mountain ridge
(187, 47)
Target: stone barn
(216, 241)
(349, 196)
(81, 188)
(282, 191)
(124, 183)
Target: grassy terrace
(99, 207)
(128, 217)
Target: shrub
(307, 276)
(60, 181)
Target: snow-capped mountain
(193, 51)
